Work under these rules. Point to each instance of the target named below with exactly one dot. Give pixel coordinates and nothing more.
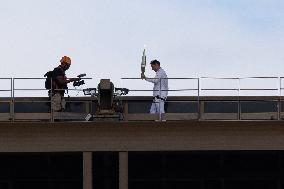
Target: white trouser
(157, 106)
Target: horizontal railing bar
(259, 77)
(181, 90)
(208, 78)
(143, 90)
(24, 78)
(237, 89)
(183, 100)
(70, 89)
(164, 90)
(161, 78)
(219, 89)
(19, 89)
(259, 89)
(30, 89)
(66, 100)
(239, 77)
(219, 78)
(17, 78)
(31, 101)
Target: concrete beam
(141, 136)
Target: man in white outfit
(160, 89)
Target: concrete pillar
(123, 170)
(87, 170)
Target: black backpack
(48, 79)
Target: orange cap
(65, 59)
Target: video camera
(79, 81)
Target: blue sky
(105, 38)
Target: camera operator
(59, 84)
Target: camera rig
(108, 104)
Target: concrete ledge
(141, 136)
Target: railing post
(239, 103)
(279, 99)
(51, 109)
(13, 99)
(198, 98)
(160, 94)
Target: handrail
(161, 78)
(199, 87)
(34, 89)
(238, 88)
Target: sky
(105, 39)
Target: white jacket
(160, 84)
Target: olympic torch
(143, 62)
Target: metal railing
(168, 90)
(12, 99)
(200, 87)
(238, 89)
